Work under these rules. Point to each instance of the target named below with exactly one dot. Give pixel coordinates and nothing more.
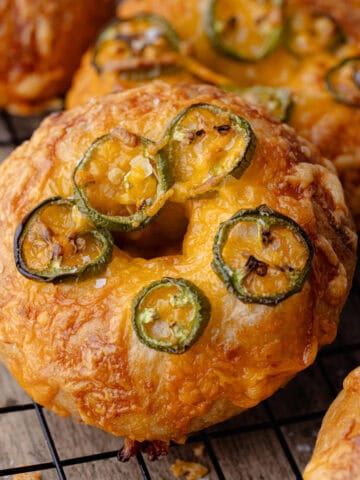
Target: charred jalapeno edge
(243, 161)
(109, 32)
(282, 95)
(201, 317)
(268, 217)
(332, 88)
(129, 223)
(69, 273)
(338, 39)
(217, 43)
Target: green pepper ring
(338, 39)
(129, 223)
(216, 42)
(282, 95)
(245, 159)
(228, 275)
(70, 273)
(332, 88)
(109, 32)
(201, 315)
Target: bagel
(337, 450)
(317, 110)
(41, 45)
(78, 347)
(145, 56)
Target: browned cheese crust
(88, 83)
(41, 45)
(337, 450)
(333, 127)
(72, 346)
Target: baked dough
(87, 82)
(337, 450)
(72, 346)
(331, 126)
(41, 45)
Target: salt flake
(100, 282)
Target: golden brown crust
(41, 45)
(331, 126)
(337, 450)
(87, 83)
(72, 346)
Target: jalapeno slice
(205, 144)
(55, 242)
(119, 184)
(170, 315)
(310, 34)
(246, 30)
(277, 101)
(343, 81)
(262, 256)
(137, 48)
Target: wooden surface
(254, 446)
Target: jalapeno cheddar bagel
(309, 47)
(41, 45)
(337, 450)
(132, 51)
(170, 257)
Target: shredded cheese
(189, 470)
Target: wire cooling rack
(272, 441)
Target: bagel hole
(162, 237)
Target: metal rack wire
(347, 346)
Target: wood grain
(255, 455)
(338, 367)
(21, 440)
(306, 393)
(104, 470)
(76, 440)
(301, 439)
(100, 470)
(254, 416)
